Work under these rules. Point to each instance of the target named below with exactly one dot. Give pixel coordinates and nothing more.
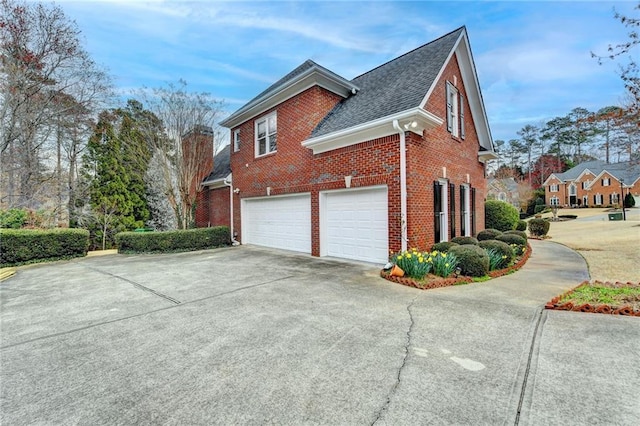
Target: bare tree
(190, 121)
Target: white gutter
(403, 185)
(230, 185)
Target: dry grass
(611, 248)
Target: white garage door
(354, 224)
(279, 222)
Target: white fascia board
(550, 176)
(474, 95)
(583, 173)
(485, 156)
(217, 183)
(312, 77)
(373, 130)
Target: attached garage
(354, 224)
(282, 222)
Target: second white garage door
(354, 224)
(279, 222)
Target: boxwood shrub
(443, 246)
(472, 260)
(500, 215)
(513, 239)
(500, 246)
(20, 246)
(521, 226)
(488, 234)
(173, 241)
(465, 240)
(539, 227)
(520, 233)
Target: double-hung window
(553, 187)
(606, 182)
(455, 111)
(236, 140)
(267, 134)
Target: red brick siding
(213, 208)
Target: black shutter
(473, 211)
(437, 208)
(449, 109)
(452, 209)
(463, 230)
(461, 116)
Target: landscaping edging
(554, 304)
(446, 282)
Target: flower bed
(566, 301)
(433, 281)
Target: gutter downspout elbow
(230, 185)
(403, 185)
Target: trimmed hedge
(539, 227)
(501, 247)
(500, 215)
(443, 246)
(464, 240)
(173, 241)
(20, 246)
(521, 226)
(472, 260)
(512, 239)
(519, 233)
(488, 234)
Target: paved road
(251, 336)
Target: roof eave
(314, 76)
(485, 156)
(217, 183)
(414, 120)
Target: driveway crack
(394, 388)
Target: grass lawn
(598, 293)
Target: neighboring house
(505, 189)
(592, 184)
(394, 158)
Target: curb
(6, 273)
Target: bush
(488, 234)
(500, 215)
(521, 226)
(472, 260)
(520, 233)
(539, 227)
(505, 250)
(464, 240)
(172, 241)
(13, 218)
(629, 201)
(443, 246)
(512, 239)
(20, 246)
(539, 209)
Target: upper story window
(455, 111)
(572, 190)
(606, 182)
(585, 184)
(553, 187)
(236, 140)
(267, 134)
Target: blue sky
(533, 58)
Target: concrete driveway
(252, 336)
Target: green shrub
(540, 208)
(513, 239)
(539, 227)
(521, 226)
(520, 233)
(443, 246)
(464, 240)
(500, 215)
(488, 234)
(19, 246)
(505, 250)
(171, 241)
(13, 218)
(472, 260)
(629, 201)
(412, 262)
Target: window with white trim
(613, 198)
(606, 182)
(597, 199)
(266, 134)
(586, 184)
(553, 187)
(455, 111)
(554, 201)
(572, 189)
(236, 140)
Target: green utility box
(615, 216)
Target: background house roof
(393, 87)
(221, 166)
(627, 170)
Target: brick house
(394, 158)
(504, 189)
(593, 184)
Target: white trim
(444, 211)
(267, 141)
(552, 175)
(217, 183)
(373, 130)
(466, 209)
(236, 140)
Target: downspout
(230, 185)
(403, 185)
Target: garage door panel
(279, 222)
(356, 224)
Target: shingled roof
(628, 171)
(395, 86)
(221, 166)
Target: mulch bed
(631, 309)
(434, 281)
